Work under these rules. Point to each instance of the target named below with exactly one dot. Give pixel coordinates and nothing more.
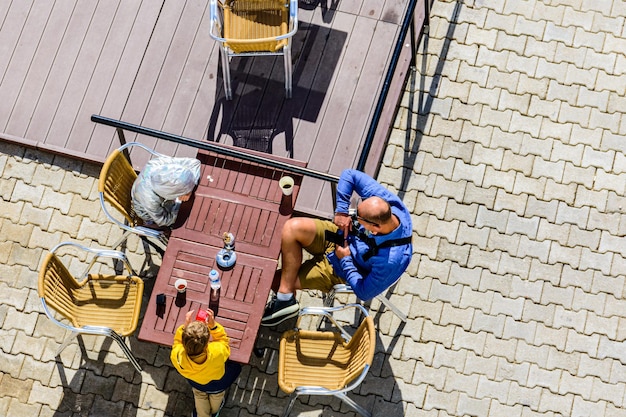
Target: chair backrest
(362, 347)
(253, 25)
(57, 287)
(116, 181)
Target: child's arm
(219, 346)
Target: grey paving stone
(528, 397)
(598, 261)
(599, 368)
(583, 407)
(561, 404)
(533, 249)
(589, 40)
(592, 302)
(17, 408)
(605, 283)
(539, 377)
(602, 325)
(524, 289)
(577, 278)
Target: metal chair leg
(226, 73)
(328, 300)
(120, 341)
(69, 339)
(120, 240)
(292, 400)
(288, 71)
(392, 307)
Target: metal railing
(212, 147)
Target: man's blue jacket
(370, 276)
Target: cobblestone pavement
(509, 150)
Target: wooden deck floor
(152, 63)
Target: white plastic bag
(159, 184)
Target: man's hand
(341, 251)
(343, 222)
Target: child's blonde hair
(195, 338)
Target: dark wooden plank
(206, 95)
(306, 129)
(61, 70)
(154, 59)
(339, 104)
(351, 7)
(109, 64)
(74, 92)
(215, 209)
(4, 10)
(15, 64)
(346, 79)
(395, 93)
(355, 125)
(161, 108)
(181, 116)
(17, 13)
(123, 80)
(371, 8)
(38, 72)
(393, 11)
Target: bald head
(375, 210)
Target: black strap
(373, 250)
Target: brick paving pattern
(509, 150)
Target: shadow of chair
(250, 125)
(254, 28)
(329, 362)
(92, 302)
(114, 186)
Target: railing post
(413, 43)
(122, 138)
(333, 192)
(426, 16)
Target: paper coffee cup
(286, 185)
(181, 285)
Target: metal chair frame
(226, 52)
(329, 299)
(87, 329)
(131, 224)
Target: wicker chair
(253, 28)
(93, 303)
(114, 186)
(329, 362)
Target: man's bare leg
(297, 233)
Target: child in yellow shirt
(204, 364)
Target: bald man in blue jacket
(368, 248)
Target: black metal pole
(385, 90)
(213, 147)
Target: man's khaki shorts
(317, 273)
